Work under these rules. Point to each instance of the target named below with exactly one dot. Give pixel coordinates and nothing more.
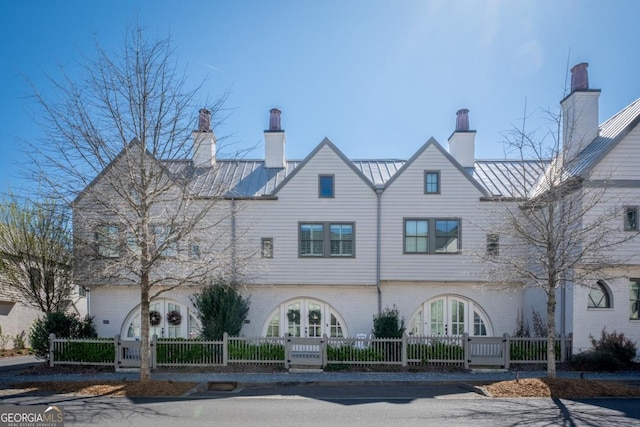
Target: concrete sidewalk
(11, 372)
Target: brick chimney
(204, 142)
(579, 114)
(462, 142)
(274, 142)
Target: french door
(304, 318)
(451, 315)
(167, 319)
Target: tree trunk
(145, 365)
(551, 333)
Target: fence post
(153, 352)
(466, 350)
(52, 338)
(116, 344)
(225, 349)
(323, 349)
(287, 350)
(506, 348)
(404, 349)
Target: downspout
(379, 190)
(233, 241)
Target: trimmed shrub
(221, 309)
(87, 352)
(247, 351)
(435, 351)
(388, 324)
(63, 325)
(194, 352)
(347, 353)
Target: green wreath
(174, 317)
(314, 317)
(154, 318)
(293, 316)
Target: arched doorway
(450, 315)
(168, 319)
(304, 317)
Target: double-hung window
(631, 218)
(634, 299)
(341, 239)
(416, 236)
(162, 234)
(327, 239)
(432, 182)
(431, 235)
(106, 237)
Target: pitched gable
(326, 143)
(448, 160)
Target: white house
(337, 240)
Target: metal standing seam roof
(609, 134)
(501, 178)
(250, 178)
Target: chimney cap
(204, 120)
(274, 120)
(462, 120)
(580, 77)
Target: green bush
(351, 354)
(246, 351)
(531, 350)
(88, 352)
(612, 352)
(388, 324)
(622, 348)
(221, 309)
(63, 325)
(189, 353)
(435, 351)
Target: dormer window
(432, 182)
(326, 186)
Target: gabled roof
(251, 179)
(611, 132)
(432, 142)
(325, 143)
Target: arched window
(304, 318)
(450, 315)
(599, 296)
(170, 319)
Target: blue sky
(379, 78)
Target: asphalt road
(383, 405)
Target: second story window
(493, 244)
(431, 182)
(267, 247)
(431, 235)
(162, 234)
(326, 187)
(631, 218)
(106, 237)
(327, 239)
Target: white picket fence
(464, 351)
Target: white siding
(458, 198)
(298, 201)
(622, 161)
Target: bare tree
(116, 140)
(36, 253)
(564, 229)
